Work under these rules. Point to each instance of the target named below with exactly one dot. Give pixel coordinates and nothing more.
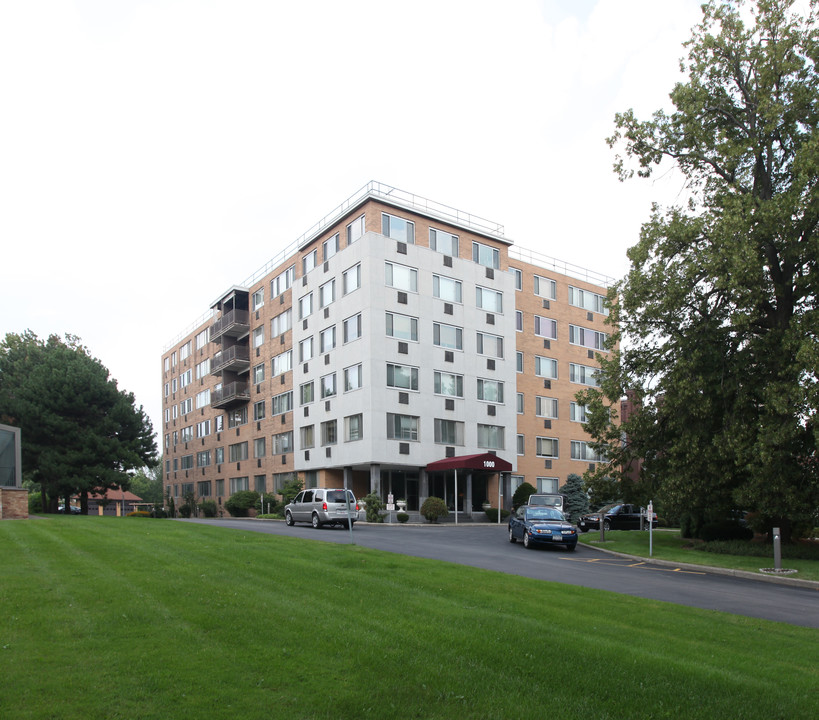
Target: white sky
(155, 152)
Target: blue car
(541, 525)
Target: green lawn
(138, 618)
(668, 545)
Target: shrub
(240, 503)
(373, 508)
(138, 513)
(268, 504)
(521, 496)
(402, 517)
(725, 530)
(290, 488)
(35, 503)
(184, 511)
(208, 508)
(492, 514)
(433, 509)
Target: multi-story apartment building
(400, 346)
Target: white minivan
(322, 506)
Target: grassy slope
(130, 618)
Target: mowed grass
(139, 618)
(669, 545)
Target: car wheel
(526, 543)
(582, 529)
(288, 518)
(606, 525)
(316, 522)
(512, 538)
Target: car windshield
(544, 513)
(337, 496)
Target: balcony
(235, 359)
(230, 395)
(234, 323)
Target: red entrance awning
(484, 461)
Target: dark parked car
(615, 517)
(322, 506)
(544, 525)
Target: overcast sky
(155, 152)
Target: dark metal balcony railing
(233, 322)
(232, 358)
(230, 394)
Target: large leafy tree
(718, 313)
(80, 433)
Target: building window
(237, 417)
(351, 279)
(237, 452)
(402, 327)
(202, 399)
(220, 455)
(402, 376)
(518, 275)
(449, 384)
(545, 288)
(352, 328)
(355, 230)
(397, 228)
(519, 320)
(185, 351)
(203, 429)
(258, 374)
(547, 447)
(186, 434)
(583, 374)
(166, 363)
(258, 410)
(443, 242)
(328, 385)
(258, 336)
(577, 412)
(186, 378)
(490, 345)
(330, 247)
(259, 448)
(281, 323)
(307, 437)
(282, 443)
(202, 339)
(220, 487)
(401, 277)
(186, 406)
(329, 432)
(174, 385)
(519, 362)
(587, 338)
(545, 327)
(327, 293)
(306, 349)
(238, 484)
(547, 484)
(281, 403)
(449, 432)
(281, 363)
(490, 390)
(491, 437)
(588, 300)
(519, 403)
(402, 427)
(202, 369)
(546, 367)
(582, 451)
(446, 288)
(447, 336)
(173, 359)
(353, 427)
(546, 407)
(306, 393)
(219, 422)
(489, 300)
(258, 299)
(280, 283)
(259, 484)
(308, 262)
(203, 458)
(486, 255)
(305, 306)
(186, 462)
(352, 378)
(327, 339)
